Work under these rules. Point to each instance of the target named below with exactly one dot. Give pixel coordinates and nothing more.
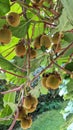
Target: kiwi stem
(67, 71)
(19, 76)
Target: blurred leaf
(69, 66)
(21, 30)
(9, 99)
(4, 7)
(4, 113)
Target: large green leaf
(21, 30)
(64, 24)
(9, 99)
(51, 120)
(4, 113)
(69, 66)
(4, 7)
(5, 64)
(68, 5)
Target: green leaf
(5, 64)
(69, 66)
(21, 30)
(2, 22)
(70, 85)
(64, 24)
(51, 120)
(4, 7)
(9, 99)
(68, 5)
(4, 113)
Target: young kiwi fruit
(36, 42)
(45, 41)
(37, 2)
(30, 102)
(5, 36)
(44, 78)
(26, 122)
(32, 53)
(20, 49)
(56, 47)
(22, 113)
(56, 37)
(13, 19)
(53, 81)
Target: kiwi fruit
(53, 81)
(13, 19)
(20, 49)
(44, 78)
(36, 42)
(45, 41)
(26, 122)
(30, 102)
(32, 109)
(5, 36)
(22, 113)
(55, 37)
(32, 53)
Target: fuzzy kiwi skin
(20, 49)
(5, 36)
(32, 109)
(53, 81)
(13, 19)
(26, 123)
(36, 42)
(30, 102)
(45, 41)
(43, 81)
(37, 2)
(22, 113)
(32, 53)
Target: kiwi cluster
(42, 40)
(51, 80)
(13, 19)
(29, 106)
(22, 50)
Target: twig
(12, 90)
(19, 76)
(14, 121)
(62, 68)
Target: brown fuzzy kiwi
(13, 19)
(32, 109)
(26, 122)
(56, 47)
(20, 49)
(5, 36)
(22, 113)
(36, 42)
(55, 37)
(32, 53)
(45, 41)
(53, 81)
(44, 78)
(30, 102)
(37, 2)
